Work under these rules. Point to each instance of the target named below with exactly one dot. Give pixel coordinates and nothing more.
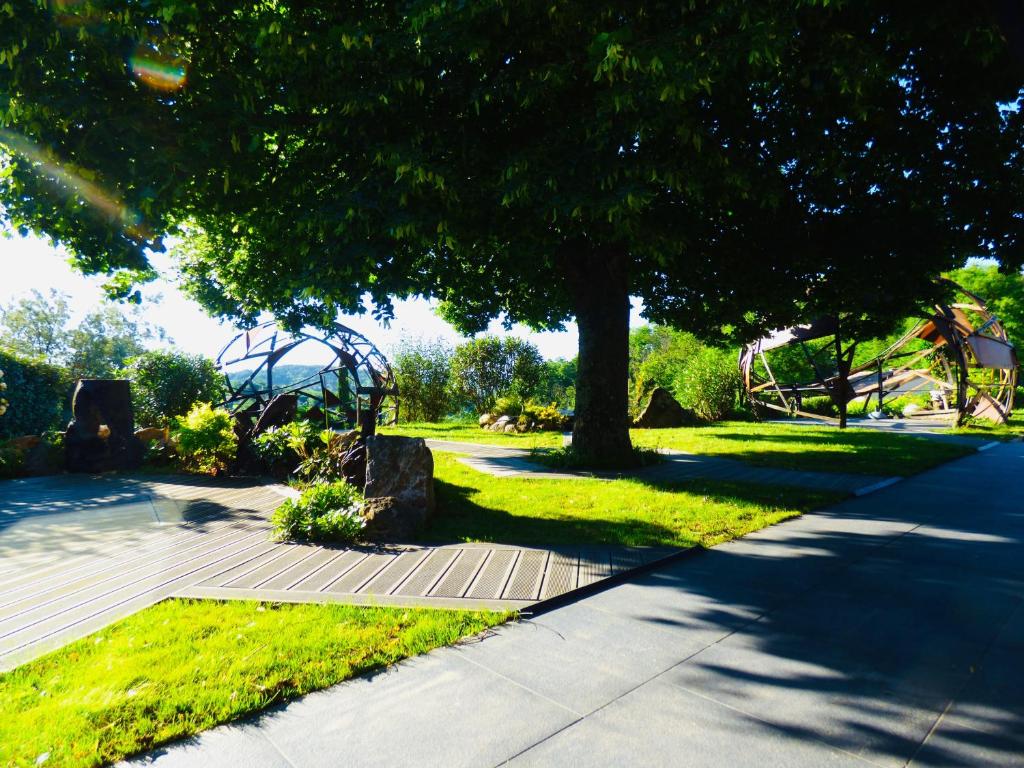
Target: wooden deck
(77, 553)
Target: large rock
(402, 467)
(664, 411)
(389, 519)
(101, 437)
(399, 487)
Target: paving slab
(856, 636)
(660, 725)
(423, 712)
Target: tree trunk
(598, 282)
(844, 361)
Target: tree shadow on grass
(868, 454)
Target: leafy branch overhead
(737, 165)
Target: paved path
(77, 553)
(677, 466)
(888, 630)
(939, 430)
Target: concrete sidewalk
(675, 467)
(888, 630)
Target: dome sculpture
(959, 360)
(334, 377)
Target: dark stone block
(664, 411)
(101, 435)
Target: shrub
(657, 356)
(423, 373)
(489, 368)
(548, 417)
(3, 400)
(291, 441)
(166, 384)
(12, 461)
(324, 512)
(558, 383)
(37, 395)
(205, 438)
(709, 383)
(322, 460)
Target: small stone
(151, 435)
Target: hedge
(38, 396)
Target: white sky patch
(31, 263)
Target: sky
(32, 263)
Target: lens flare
(70, 182)
(157, 71)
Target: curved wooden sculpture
(352, 386)
(960, 357)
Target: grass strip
(473, 506)
(182, 666)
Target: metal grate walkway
(77, 553)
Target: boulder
(510, 428)
(499, 424)
(664, 411)
(402, 468)
(392, 520)
(101, 436)
(487, 419)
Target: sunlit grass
(182, 666)
(767, 444)
(807, 447)
(471, 433)
(473, 506)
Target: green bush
(166, 384)
(322, 459)
(657, 356)
(37, 395)
(508, 406)
(423, 373)
(709, 383)
(12, 461)
(489, 368)
(290, 441)
(205, 438)
(547, 417)
(324, 512)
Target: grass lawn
(473, 506)
(471, 433)
(801, 446)
(1013, 429)
(182, 666)
(788, 446)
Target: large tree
(737, 165)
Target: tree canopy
(737, 165)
